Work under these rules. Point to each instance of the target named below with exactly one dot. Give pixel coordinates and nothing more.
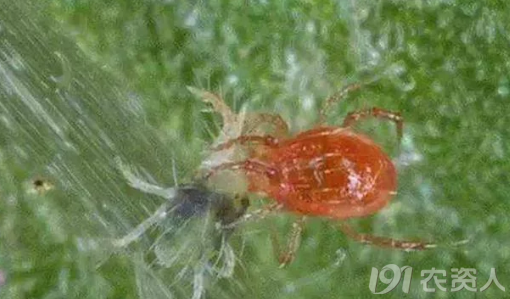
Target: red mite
(327, 171)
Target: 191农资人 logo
(463, 278)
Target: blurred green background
(82, 82)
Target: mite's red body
(326, 171)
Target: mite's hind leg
(286, 256)
(384, 242)
(395, 117)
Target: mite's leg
(377, 113)
(254, 215)
(251, 122)
(264, 140)
(336, 97)
(247, 165)
(255, 124)
(217, 103)
(385, 242)
(287, 256)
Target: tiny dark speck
(38, 183)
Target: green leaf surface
(85, 82)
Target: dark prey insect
(185, 202)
